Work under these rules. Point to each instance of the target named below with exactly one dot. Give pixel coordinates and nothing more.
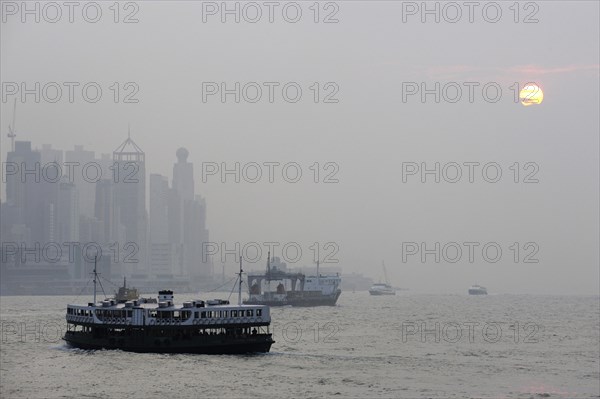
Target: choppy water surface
(405, 346)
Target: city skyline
(101, 201)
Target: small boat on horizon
(382, 288)
(477, 290)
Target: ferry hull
(211, 344)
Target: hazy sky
(369, 133)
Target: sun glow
(531, 94)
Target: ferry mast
(95, 277)
(240, 285)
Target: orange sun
(531, 94)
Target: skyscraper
(49, 154)
(130, 198)
(85, 176)
(67, 218)
(188, 229)
(183, 175)
(29, 197)
(161, 251)
(107, 212)
(159, 201)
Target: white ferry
(210, 327)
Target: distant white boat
(477, 290)
(383, 288)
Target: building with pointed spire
(130, 199)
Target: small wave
(64, 347)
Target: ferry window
(203, 315)
(249, 313)
(225, 313)
(129, 313)
(241, 313)
(152, 313)
(259, 312)
(196, 315)
(234, 313)
(176, 314)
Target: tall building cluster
(66, 210)
(177, 223)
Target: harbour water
(403, 346)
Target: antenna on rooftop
(12, 130)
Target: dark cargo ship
(126, 294)
(319, 290)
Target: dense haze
(368, 134)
